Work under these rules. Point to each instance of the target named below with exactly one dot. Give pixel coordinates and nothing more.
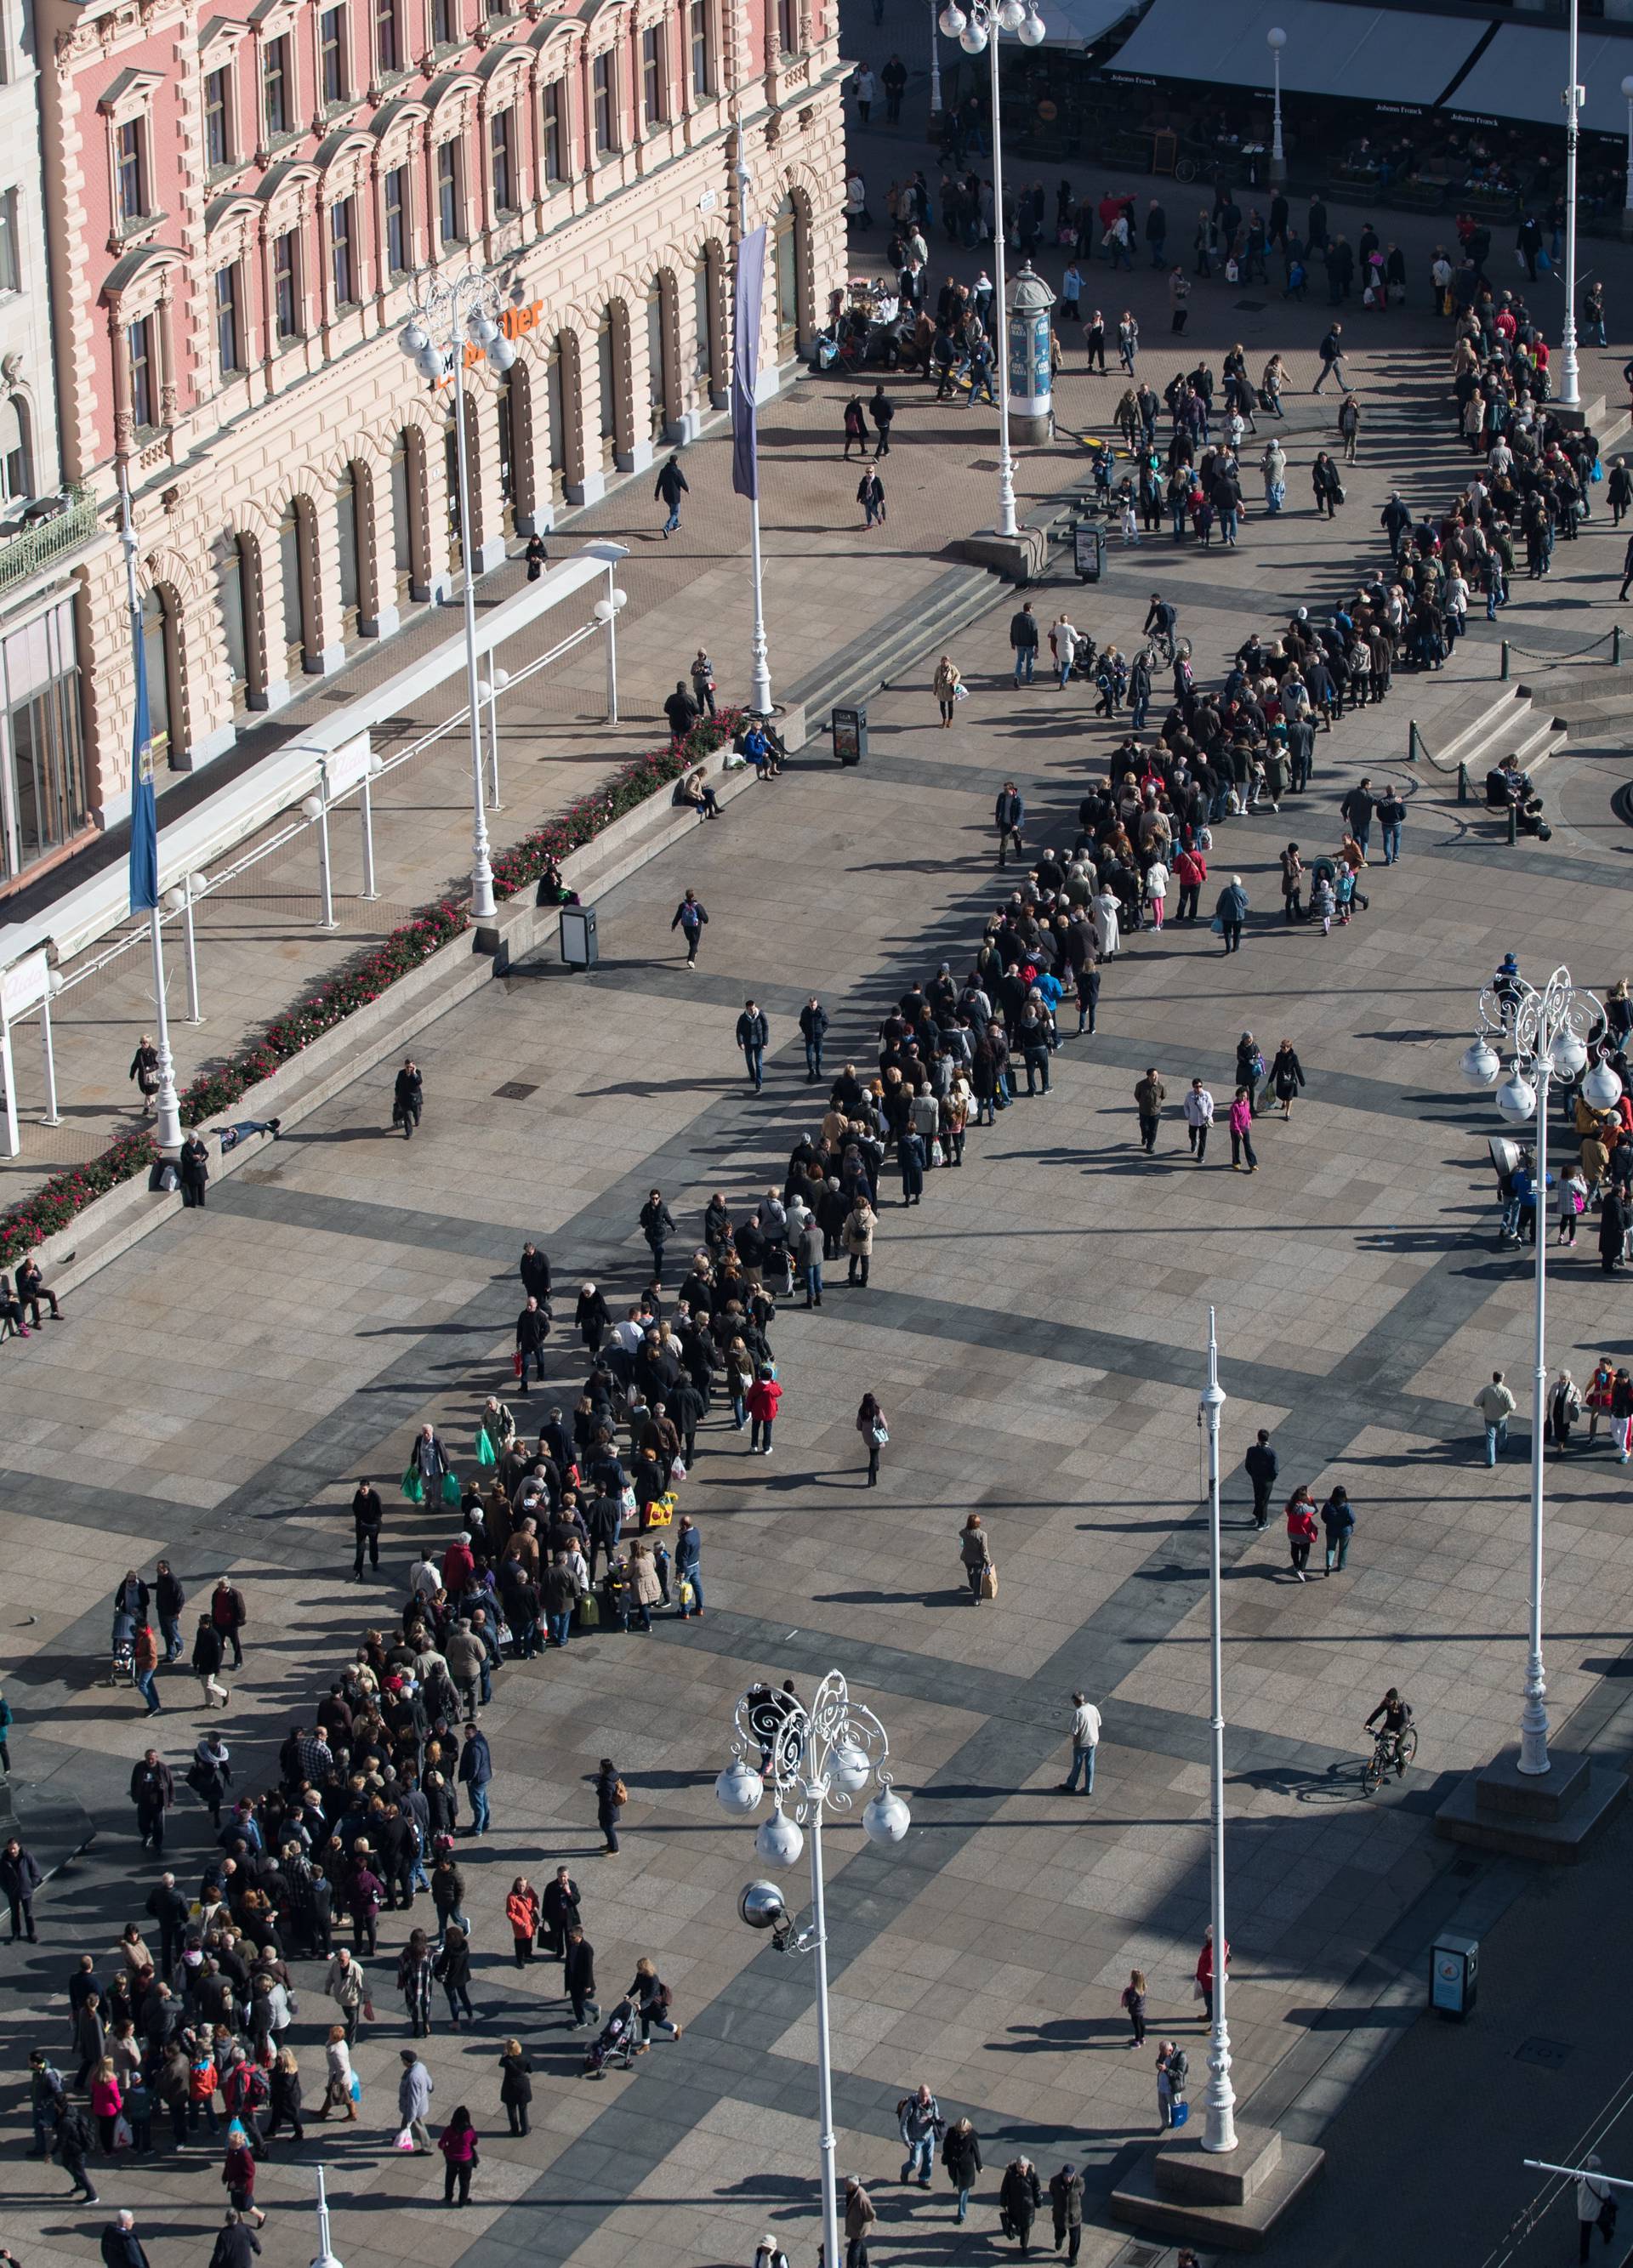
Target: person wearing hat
(1066, 2202)
(1596, 2207)
(769, 2254)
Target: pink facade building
(240, 200)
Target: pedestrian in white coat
(1199, 1117)
(1107, 927)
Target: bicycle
(1391, 1752)
(1170, 647)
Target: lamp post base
(1556, 1817)
(1626, 220)
(1278, 172)
(1177, 2189)
(1018, 559)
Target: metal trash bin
(849, 727)
(579, 947)
(1454, 1973)
(1088, 551)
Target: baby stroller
(614, 2046)
(122, 1670)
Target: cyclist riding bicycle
(1161, 619)
(1397, 1715)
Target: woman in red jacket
(521, 1911)
(761, 1401)
(1301, 1529)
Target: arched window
(556, 415)
(517, 482)
(409, 566)
(161, 649)
(607, 374)
(659, 299)
(456, 518)
(705, 304)
(788, 253)
(349, 540)
(297, 571)
(236, 599)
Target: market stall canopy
(1080, 23)
(1383, 55)
(1523, 72)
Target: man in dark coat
(532, 1331)
(559, 1909)
(121, 2248)
(152, 1791)
(671, 486)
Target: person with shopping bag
(975, 1551)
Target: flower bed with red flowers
(634, 783)
(23, 1226)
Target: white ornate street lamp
(808, 1758)
(975, 29)
(1219, 2134)
(1546, 1032)
(449, 315)
(1275, 40)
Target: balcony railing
(31, 549)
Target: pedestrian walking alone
(874, 1432)
(690, 919)
(458, 2145)
(1199, 1117)
(945, 686)
(975, 1552)
(670, 488)
(961, 2154)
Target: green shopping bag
(450, 1489)
(413, 1487)
(486, 1454)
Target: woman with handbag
(871, 1426)
(975, 1551)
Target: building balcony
(39, 538)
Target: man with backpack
(918, 2119)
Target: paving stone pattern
(1035, 1332)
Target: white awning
(1370, 55)
(96, 908)
(1523, 74)
(1079, 23)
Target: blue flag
(143, 801)
(745, 365)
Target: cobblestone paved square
(1035, 1330)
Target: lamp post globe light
(1275, 40)
(809, 1759)
(975, 29)
(1547, 1034)
(448, 315)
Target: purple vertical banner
(745, 365)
